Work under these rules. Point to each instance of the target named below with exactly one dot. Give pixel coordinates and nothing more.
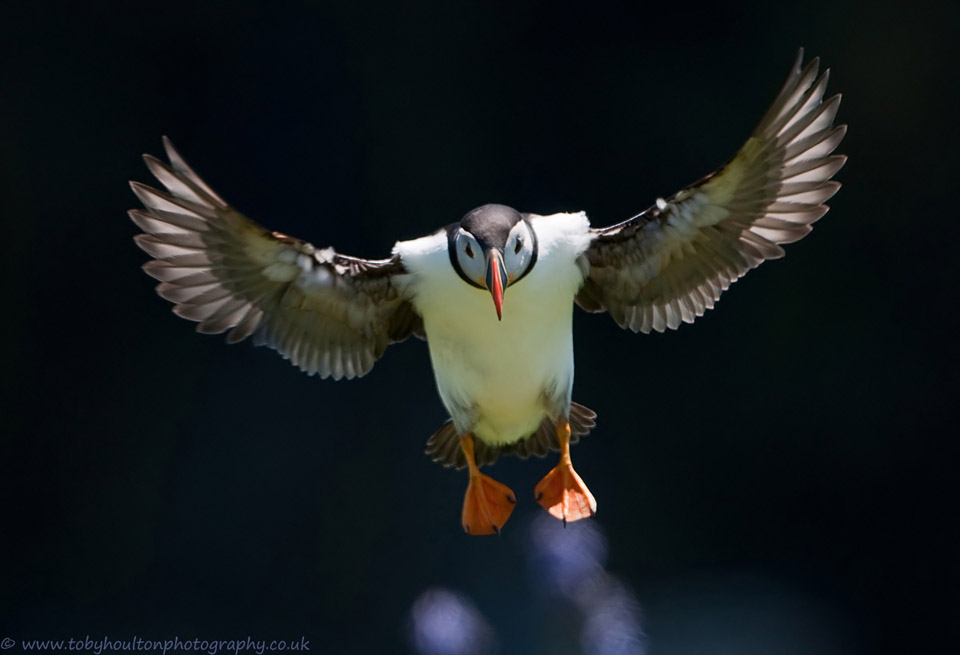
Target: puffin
(493, 294)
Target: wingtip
(142, 191)
(812, 67)
(168, 148)
(145, 242)
(843, 158)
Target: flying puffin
(504, 372)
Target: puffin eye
(516, 250)
(467, 249)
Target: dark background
(778, 478)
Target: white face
(517, 254)
(470, 257)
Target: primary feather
(670, 263)
(329, 314)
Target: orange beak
(496, 276)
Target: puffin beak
(496, 277)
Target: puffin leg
(488, 503)
(561, 491)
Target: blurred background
(777, 478)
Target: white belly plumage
(498, 379)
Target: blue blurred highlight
(447, 623)
(570, 563)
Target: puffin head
(492, 247)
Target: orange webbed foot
(487, 505)
(563, 493)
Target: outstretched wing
(671, 263)
(327, 313)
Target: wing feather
(669, 264)
(329, 314)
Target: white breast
(497, 379)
